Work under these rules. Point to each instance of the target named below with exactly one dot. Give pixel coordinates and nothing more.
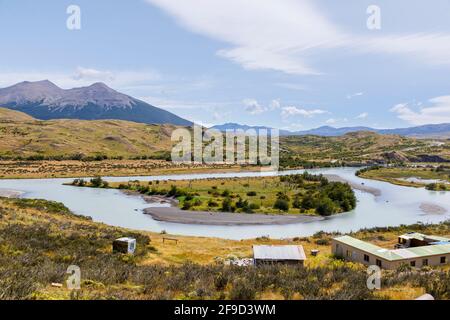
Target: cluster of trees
(293, 162)
(361, 171)
(334, 197)
(437, 187)
(96, 182)
(326, 199)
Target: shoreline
(173, 214)
(361, 187)
(176, 215)
(6, 193)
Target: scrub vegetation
(40, 239)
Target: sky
(288, 64)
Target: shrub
(254, 206)
(251, 193)
(212, 204)
(242, 290)
(98, 182)
(187, 205)
(227, 205)
(226, 193)
(281, 204)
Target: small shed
(290, 255)
(124, 245)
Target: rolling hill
(24, 136)
(44, 100)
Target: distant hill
(236, 126)
(44, 100)
(425, 131)
(364, 146)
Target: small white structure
(292, 255)
(124, 245)
(426, 296)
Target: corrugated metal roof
(279, 253)
(398, 254)
(424, 251)
(420, 236)
(368, 247)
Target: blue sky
(289, 64)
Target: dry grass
(76, 169)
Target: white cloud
(353, 95)
(294, 111)
(92, 75)
(363, 115)
(334, 121)
(275, 104)
(82, 77)
(252, 106)
(437, 112)
(282, 35)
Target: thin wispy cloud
(363, 115)
(82, 76)
(283, 35)
(335, 121)
(294, 111)
(353, 95)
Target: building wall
(356, 255)
(260, 262)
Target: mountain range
(44, 100)
(425, 131)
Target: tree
(326, 207)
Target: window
(349, 254)
(443, 259)
(413, 263)
(379, 263)
(366, 258)
(425, 262)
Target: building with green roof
(431, 251)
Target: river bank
(5, 193)
(176, 215)
(361, 187)
(396, 206)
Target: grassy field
(296, 194)
(359, 147)
(40, 239)
(397, 175)
(75, 168)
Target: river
(396, 205)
